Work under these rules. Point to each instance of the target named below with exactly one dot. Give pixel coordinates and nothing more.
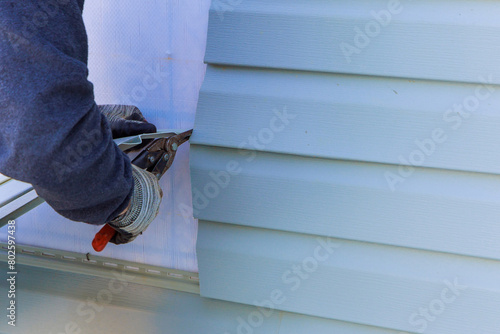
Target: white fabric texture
(148, 54)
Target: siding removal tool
(156, 157)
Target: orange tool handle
(102, 237)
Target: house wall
(345, 164)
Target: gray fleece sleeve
(51, 133)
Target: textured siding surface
(345, 165)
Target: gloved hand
(126, 120)
(143, 207)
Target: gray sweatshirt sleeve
(51, 133)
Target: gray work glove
(126, 120)
(143, 208)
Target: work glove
(143, 207)
(126, 120)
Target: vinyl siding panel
(12, 190)
(352, 282)
(300, 324)
(350, 117)
(3, 179)
(425, 40)
(16, 198)
(453, 212)
(391, 155)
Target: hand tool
(156, 157)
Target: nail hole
(109, 264)
(131, 268)
(153, 271)
(175, 275)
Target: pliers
(155, 157)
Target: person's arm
(52, 134)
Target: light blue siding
(350, 117)
(356, 282)
(391, 153)
(449, 40)
(294, 323)
(352, 200)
